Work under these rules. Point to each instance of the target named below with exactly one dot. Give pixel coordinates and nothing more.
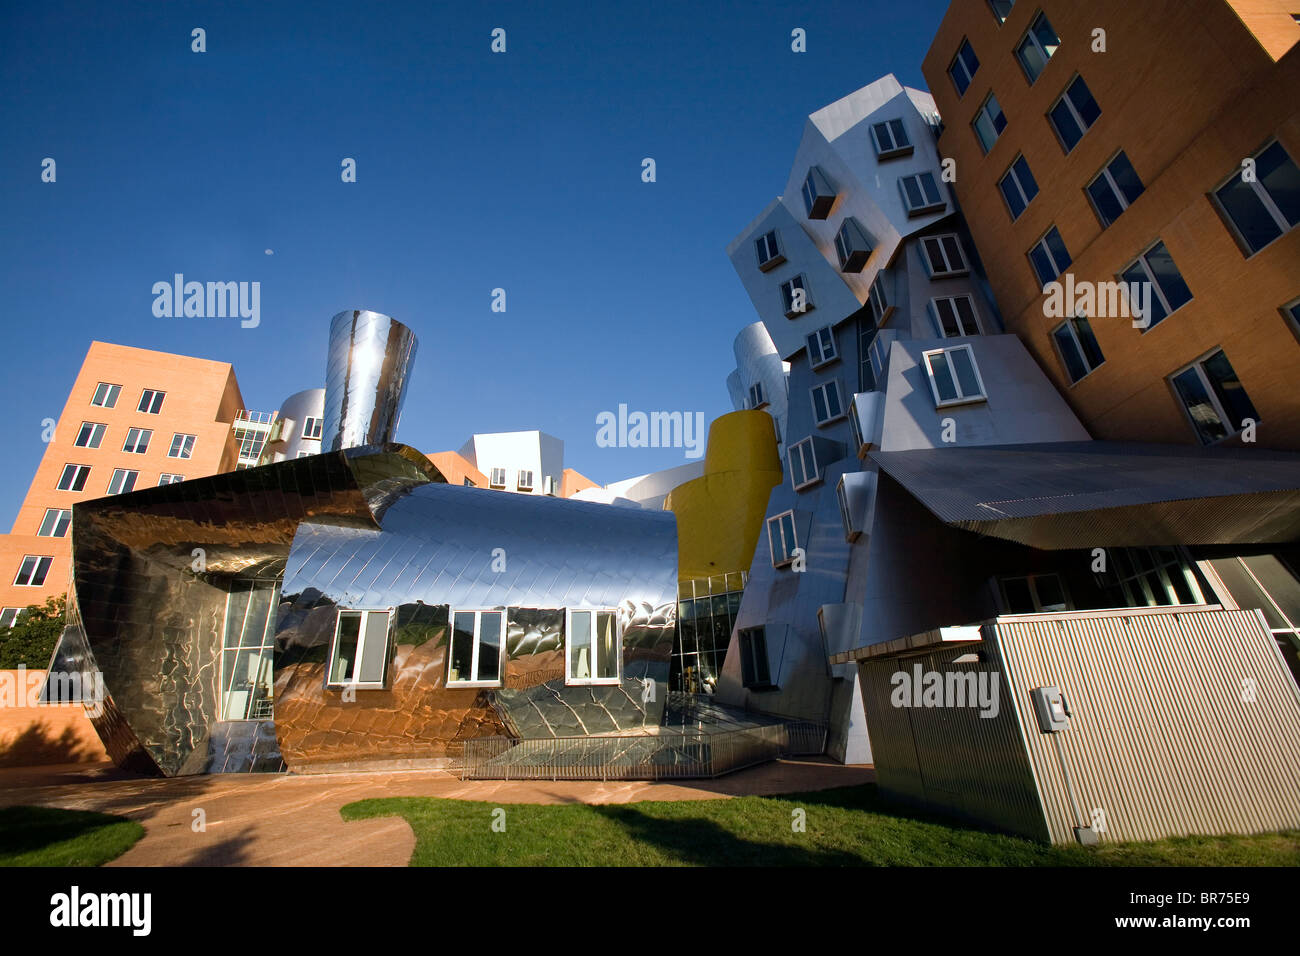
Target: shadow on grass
(44, 836)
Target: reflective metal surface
(366, 371)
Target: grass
(44, 836)
(844, 827)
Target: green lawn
(848, 826)
(42, 836)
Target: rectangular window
(304, 454)
(476, 646)
(311, 428)
(944, 257)
(846, 513)
(1018, 187)
(1213, 398)
(1268, 206)
(881, 307)
(1049, 257)
(55, 523)
(769, 251)
(359, 654)
(955, 316)
(1114, 189)
(1034, 594)
(821, 347)
(803, 464)
(151, 401)
(818, 195)
(498, 478)
(781, 540)
(1074, 113)
(73, 477)
(920, 194)
(1154, 577)
(756, 397)
(9, 616)
(594, 647)
(754, 671)
(90, 435)
(170, 479)
(852, 246)
(1001, 9)
(989, 123)
(1078, 347)
(1036, 47)
(855, 426)
(827, 406)
(878, 354)
(890, 139)
(523, 480)
(106, 395)
(954, 377)
(795, 296)
(962, 68)
(123, 480)
(1156, 268)
(182, 446)
(32, 571)
(137, 440)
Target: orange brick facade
(1188, 91)
(200, 399)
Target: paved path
(287, 820)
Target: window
(303, 454)
(1262, 210)
(1074, 113)
(1001, 9)
(962, 68)
(1049, 257)
(1114, 189)
(55, 523)
(852, 246)
(1018, 187)
(826, 402)
(878, 299)
(90, 435)
(955, 316)
(920, 193)
(311, 428)
(989, 123)
(359, 654)
(878, 355)
(73, 477)
(1037, 47)
(106, 395)
(756, 397)
(1213, 398)
(476, 645)
(123, 480)
(150, 401)
(1078, 347)
(818, 195)
(523, 480)
(1034, 594)
(1168, 291)
(803, 464)
(855, 427)
(9, 616)
(769, 252)
(498, 478)
(794, 294)
(890, 139)
(170, 479)
(781, 540)
(1154, 577)
(944, 257)
(594, 647)
(137, 440)
(954, 378)
(821, 347)
(851, 533)
(754, 671)
(182, 446)
(32, 572)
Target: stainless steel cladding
(366, 371)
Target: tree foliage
(31, 640)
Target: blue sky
(475, 171)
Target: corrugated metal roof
(1096, 494)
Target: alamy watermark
(922, 688)
(652, 430)
(1101, 300)
(19, 688)
(211, 300)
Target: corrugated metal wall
(1162, 738)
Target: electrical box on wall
(1052, 710)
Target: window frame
(569, 679)
(895, 149)
(1001, 18)
(967, 71)
(928, 262)
(961, 399)
(846, 513)
(519, 479)
(822, 357)
(96, 438)
(1141, 261)
(155, 405)
(1043, 244)
(1069, 325)
(852, 246)
(140, 434)
(1031, 582)
(1212, 394)
(188, 449)
(938, 319)
(878, 300)
(824, 388)
(1010, 173)
(750, 678)
(1262, 194)
(1073, 111)
(927, 206)
(1031, 34)
(788, 552)
(475, 682)
(1113, 185)
(308, 432)
(64, 521)
(788, 297)
(757, 396)
(110, 399)
(5, 612)
(798, 448)
(82, 472)
(818, 204)
(129, 475)
(42, 564)
(983, 112)
(173, 479)
(492, 478)
(365, 612)
(777, 256)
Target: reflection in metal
(366, 371)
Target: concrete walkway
(286, 820)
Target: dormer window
(818, 194)
(852, 246)
(769, 251)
